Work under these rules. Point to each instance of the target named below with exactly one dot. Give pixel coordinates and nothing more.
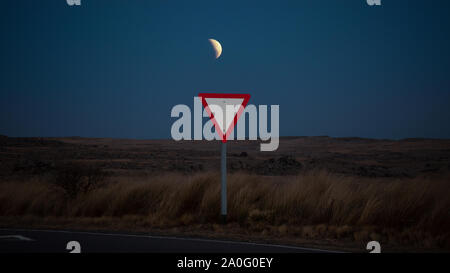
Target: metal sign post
(223, 168)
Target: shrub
(75, 178)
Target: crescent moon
(217, 47)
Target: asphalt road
(50, 241)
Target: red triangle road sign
(224, 110)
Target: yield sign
(224, 110)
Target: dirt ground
(349, 156)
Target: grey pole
(224, 183)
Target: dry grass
(317, 205)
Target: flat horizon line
(281, 137)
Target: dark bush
(75, 178)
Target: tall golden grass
(313, 205)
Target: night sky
(115, 68)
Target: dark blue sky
(116, 68)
